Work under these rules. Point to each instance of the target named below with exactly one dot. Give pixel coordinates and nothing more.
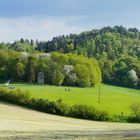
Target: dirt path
(17, 122)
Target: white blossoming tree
(133, 76)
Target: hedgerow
(23, 98)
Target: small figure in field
(67, 89)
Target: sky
(45, 19)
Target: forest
(116, 49)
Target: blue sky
(44, 19)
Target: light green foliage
(54, 74)
(83, 75)
(19, 70)
(25, 67)
(85, 70)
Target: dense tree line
(117, 50)
(21, 46)
(58, 68)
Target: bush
(14, 96)
(57, 107)
(118, 118)
(135, 109)
(133, 119)
(87, 112)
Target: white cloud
(41, 28)
(45, 28)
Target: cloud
(45, 28)
(41, 28)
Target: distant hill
(117, 50)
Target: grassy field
(114, 99)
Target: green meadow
(114, 99)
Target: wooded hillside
(117, 50)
